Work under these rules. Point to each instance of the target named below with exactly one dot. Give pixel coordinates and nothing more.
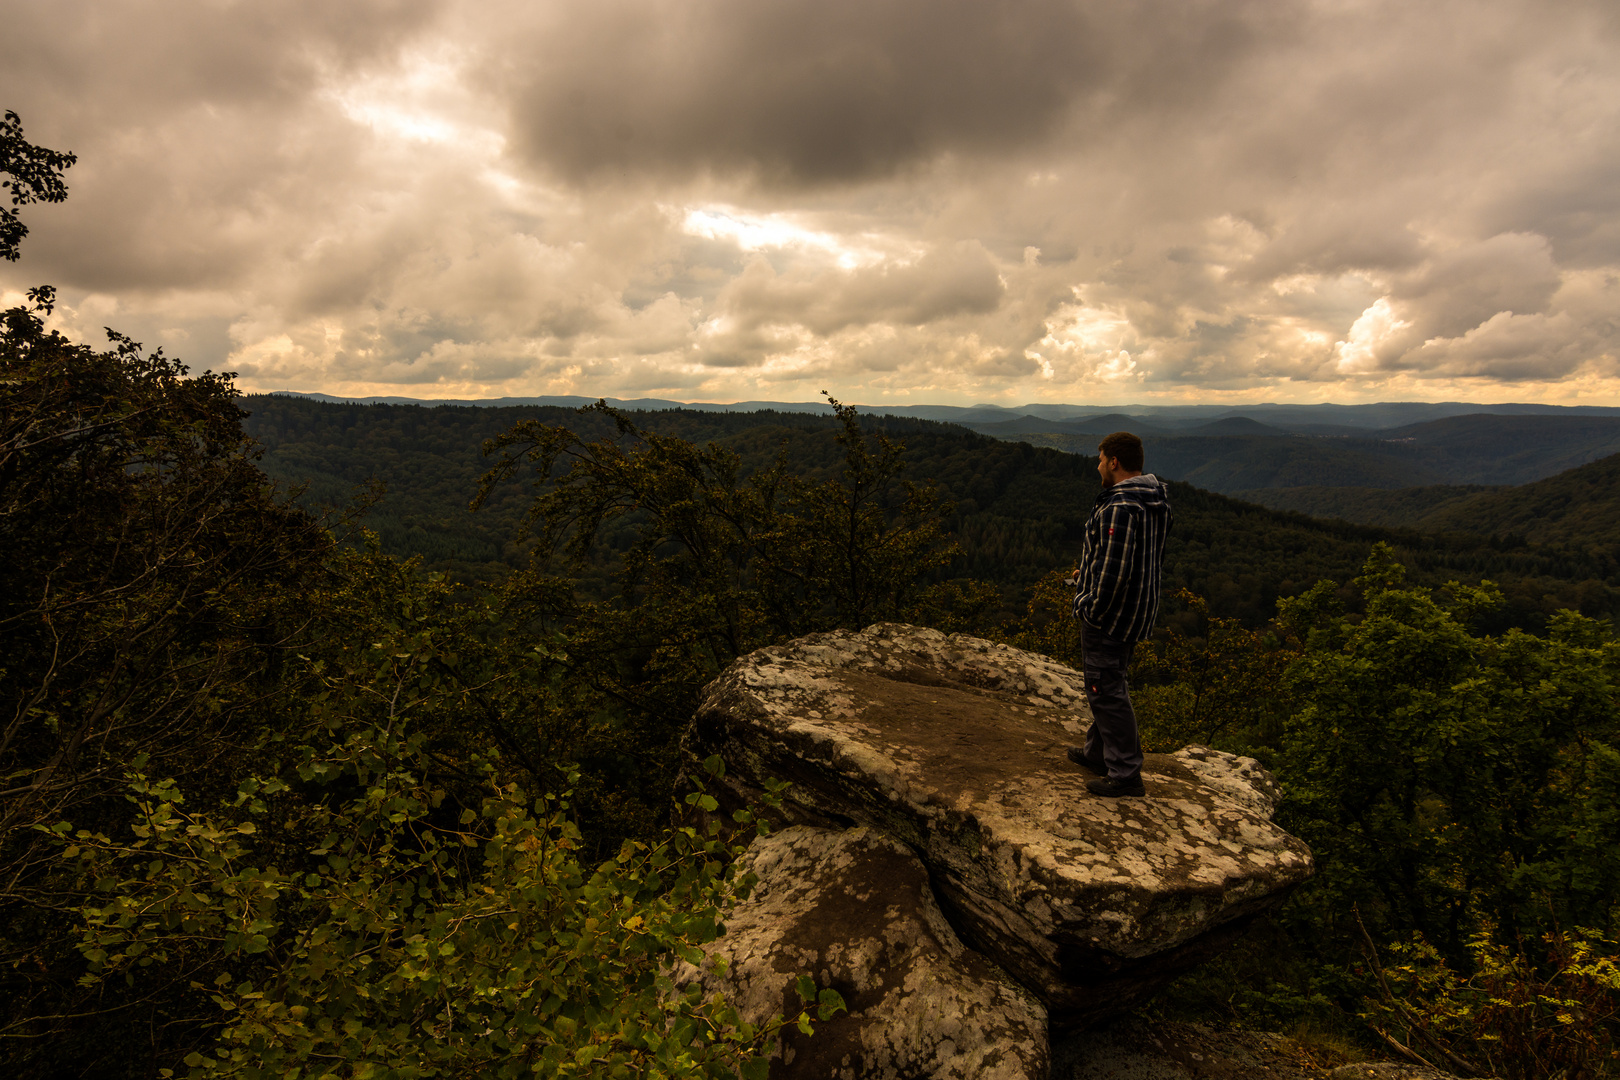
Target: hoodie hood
(1147, 489)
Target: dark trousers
(1113, 743)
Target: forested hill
(1018, 514)
(1578, 508)
(1243, 457)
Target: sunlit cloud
(763, 232)
(1087, 343)
(423, 99)
(1366, 348)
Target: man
(1116, 600)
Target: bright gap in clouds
(423, 100)
(757, 232)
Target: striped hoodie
(1117, 587)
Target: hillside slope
(1019, 508)
(1577, 509)
(1240, 456)
(1482, 449)
(1387, 508)
(1233, 463)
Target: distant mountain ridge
(1290, 418)
(1240, 456)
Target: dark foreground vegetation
(275, 806)
(278, 802)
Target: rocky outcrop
(853, 909)
(955, 747)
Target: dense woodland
(1239, 456)
(1578, 509)
(1016, 510)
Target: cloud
(942, 200)
(951, 281)
(1506, 346)
(806, 92)
(1464, 287)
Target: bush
(1515, 1016)
(360, 910)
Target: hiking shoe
(1078, 756)
(1110, 788)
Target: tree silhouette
(34, 174)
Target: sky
(895, 201)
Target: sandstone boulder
(854, 910)
(955, 746)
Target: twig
(1402, 1049)
(1412, 1025)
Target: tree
(153, 586)
(151, 567)
(708, 561)
(380, 899)
(1461, 793)
(1226, 686)
(34, 175)
(1447, 779)
(867, 539)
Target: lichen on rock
(955, 746)
(853, 909)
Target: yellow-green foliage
(352, 914)
(1516, 1016)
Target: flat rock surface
(955, 745)
(853, 909)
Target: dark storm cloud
(810, 91)
(1574, 203)
(1461, 289)
(1336, 240)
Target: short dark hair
(1125, 448)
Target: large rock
(853, 909)
(955, 745)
